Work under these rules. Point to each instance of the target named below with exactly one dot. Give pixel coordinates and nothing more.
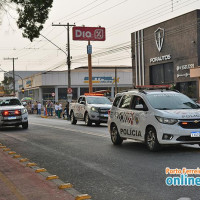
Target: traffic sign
(69, 90)
(53, 94)
(89, 49)
(89, 33)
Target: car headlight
(164, 120)
(95, 109)
(24, 110)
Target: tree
(32, 15)
(7, 82)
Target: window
(125, 102)
(137, 100)
(80, 99)
(162, 74)
(83, 99)
(117, 100)
(188, 88)
(9, 102)
(98, 100)
(171, 101)
(47, 94)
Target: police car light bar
(93, 94)
(153, 86)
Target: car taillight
(108, 112)
(5, 113)
(17, 112)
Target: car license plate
(11, 118)
(195, 134)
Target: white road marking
(74, 130)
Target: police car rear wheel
(115, 137)
(73, 120)
(151, 140)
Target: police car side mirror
(24, 104)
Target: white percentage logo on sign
(98, 34)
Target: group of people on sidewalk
(48, 108)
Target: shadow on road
(12, 129)
(93, 126)
(165, 149)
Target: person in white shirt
(56, 108)
(59, 110)
(39, 108)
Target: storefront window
(62, 93)
(162, 74)
(188, 88)
(84, 90)
(47, 94)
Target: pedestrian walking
(59, 110)
(36, 107)
(48, 108)
(45, 110)
(66, 111)
(39, 108)
(51, 108)
(56, 109)
(32, 108)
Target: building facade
(164, 54)
(19, 75)
(53, 85)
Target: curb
(68, 187)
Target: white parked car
(13, 113)
(156, 117)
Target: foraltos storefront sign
(160, 58)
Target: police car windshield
(98, 100)
(170, 101)
(9, 102)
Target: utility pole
(172, 5)
(68, 50)
(116, 90)
(13, 59)
(90, 67)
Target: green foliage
(32, 16)
(7, 80)
(6, 83)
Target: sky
(119, 17)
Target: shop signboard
(102, 79)
(89, 33)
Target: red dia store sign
(89, 33)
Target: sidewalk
(19, 182)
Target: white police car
(12, 112)
(156, 117)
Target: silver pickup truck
(91, 109)
(13, 113)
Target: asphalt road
(85, 157)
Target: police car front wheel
(151, 139)
(115, 137)
(88, 122)
(73, 119)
